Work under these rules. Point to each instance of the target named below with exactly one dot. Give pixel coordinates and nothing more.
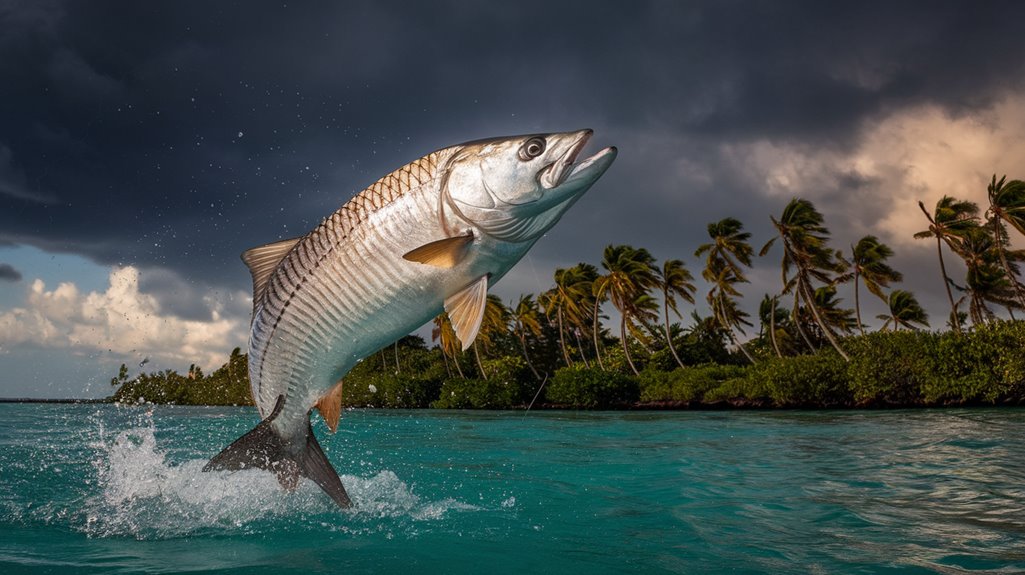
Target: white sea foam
(145, 496)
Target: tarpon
(432, 235)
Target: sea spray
(145, 496)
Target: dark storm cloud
(176, 135)
(9, 274)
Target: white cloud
(122, 320)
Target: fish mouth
(565, 170)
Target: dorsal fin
(330, 406)
(466, 310)
(262, 260)
(444, 253)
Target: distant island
(554, 349)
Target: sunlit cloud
(121, 320)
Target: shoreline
(734, 405)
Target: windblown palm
(985, 280)
(675, 280)
(570, 300)
(729, 244)
(726, 256)
(1007, 205)
(837, 318)
(807, 257)
(527, 323)
(948, 224)
(631, 272)
(905, 311)
(868, 264)
(722, 300)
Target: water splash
(143, 495)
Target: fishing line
(535, 395)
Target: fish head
(515, 189)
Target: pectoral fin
(330, 406)
(466, 310)
(444, 253)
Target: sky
(145, 145)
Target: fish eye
(532, 148)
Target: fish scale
(431, 235)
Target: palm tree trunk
(622, 340)
(818, 319)
(398, 369)
(526, 356)
(797, 322)
(772, 328)
(669, 340)
(562, 340)
(955, 322)
(480, 365)
(595, 332)
(857, 302)
(733, 339)
(729, 333)
(459, 370)
(448, 370)
(580, 347)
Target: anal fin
(330, 406)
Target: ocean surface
(116, 489)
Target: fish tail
(290, 459)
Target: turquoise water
(107, 489)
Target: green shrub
(806, 380)
(986, 365)
(685, 384)
(582, 387)
(892, 368)
(748, 387)
(389, 390)
(492, 393)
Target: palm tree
(948, 224)
(806, 254)
(1007, 205)
(721, 299)
(868, 263)
(772, 320)
(641, 320)
(631, 272)
(728, 251)
(729, 244)
(835, 317)
(445, 335)
(904, 311)
(675, 280)
(985, 279)
(570, 300)
(527, 322)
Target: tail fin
(264, 448)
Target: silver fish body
(432, 235)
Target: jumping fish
(432, 235)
